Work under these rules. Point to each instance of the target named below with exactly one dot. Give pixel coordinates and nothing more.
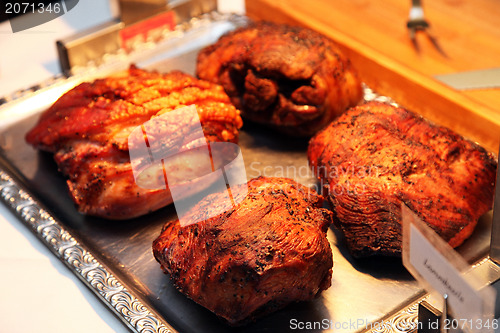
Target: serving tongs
(417, 22)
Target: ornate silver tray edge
(136, 315)
(402, 321)
(109, 289)
(125, 305)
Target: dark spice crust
(268, 251)
(291, 78)
(376, 157)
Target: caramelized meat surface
(87, 129)
(376, 157)
(292, 78)
(268, 251)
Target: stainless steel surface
(495, 230)
(427, 314)
(479, 79)
(444, 314)
(362, 292)
(184, 10)
(94, 45)
(132, 11)
(486, 270)
(89, 45)
(496, 285)
(79, 259)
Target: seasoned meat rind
(268, 251)
(291, 78)
(88, 128)
(376, 157)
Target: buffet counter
(43, 292)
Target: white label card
(436, 265)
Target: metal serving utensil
(417, 22)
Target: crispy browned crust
(268, 251)
(292, 78)
(376, 157)
(88, 129)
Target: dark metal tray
(114, 258)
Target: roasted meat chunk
(264, 253)
(376, 157)
(88, 129)
(292, 78)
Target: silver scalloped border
(403, 321)
(135, 315)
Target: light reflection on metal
(171, 152)
(495, 229)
